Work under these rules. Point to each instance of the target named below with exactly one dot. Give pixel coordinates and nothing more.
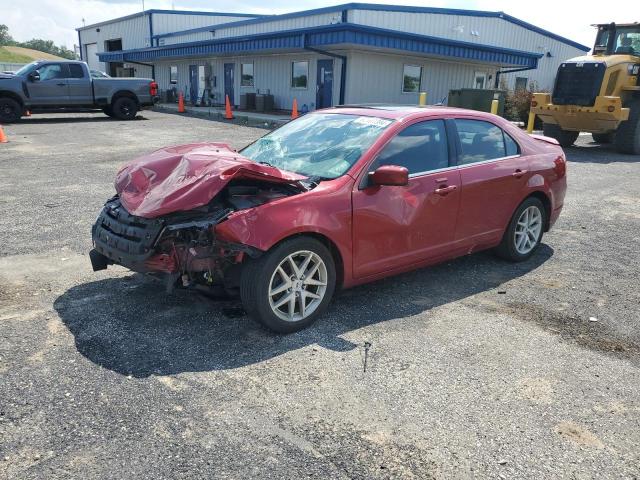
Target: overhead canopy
(339, 36)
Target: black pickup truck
(68, 86)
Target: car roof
(401, 112)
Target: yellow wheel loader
(598, 93)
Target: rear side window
(510, 145)
(420, 147)
(76, 71)
(480, 141)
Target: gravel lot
(477, 368)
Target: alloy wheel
(528, 229)
(297, 286)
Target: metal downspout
(500, 72)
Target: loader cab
(623, 39)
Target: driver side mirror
(390, 175)
(34, 76)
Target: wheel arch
(331, 246)
(124, 93)
(12, 96)
(546, 202)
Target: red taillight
(534, 103)
(153, 89)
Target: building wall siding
(382, 75)
(171, 22)
(272, 74)
(482, 30)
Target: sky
(57, 19)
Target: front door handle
(61, 84)
(445, 190)
(519, 173)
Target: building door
(324, 84)
(193, 84)
(91, 57)
(228, 81)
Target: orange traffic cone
(228, 115)
(294, 110)
(180, 103)
(3, 137)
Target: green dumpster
(476, 99)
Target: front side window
(246, 74)
(479, 141)
(51, 71)
(411, 79)
(173, 74)
(419, 148)
(323, 146)
(299, 74)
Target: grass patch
(10, 57)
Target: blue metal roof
(342, 33)
(385, 8)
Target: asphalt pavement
(476, 368)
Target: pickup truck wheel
(524, 233)
(10, 110)
(565, 138)
(290, 286)
(627, 139)
(603, 137)
(108, 111)
(124, 108)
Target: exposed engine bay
(183, 246)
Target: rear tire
(108, 111)
(10, 110)
(527, 225)
(603, 138)
(269, 286)
(565, 138)
(125, 108)
(627, 139)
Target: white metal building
(351, 53)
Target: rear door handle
(445, 190)
(61, 84)
(519, 173)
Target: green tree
(5, 38)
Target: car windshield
(26, 68)
(321, 145)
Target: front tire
(290, 286)
(565, 138)
(524, 233)
(125, 108)
(627, 139)
(108, 111)
(10, 110)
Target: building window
(246, 74)
(173, 74)
(411, 79)
(299, 74)
(521, 83)
(479, 80)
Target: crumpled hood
(185, 177)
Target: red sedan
(336, 198)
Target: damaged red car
(336, 198)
